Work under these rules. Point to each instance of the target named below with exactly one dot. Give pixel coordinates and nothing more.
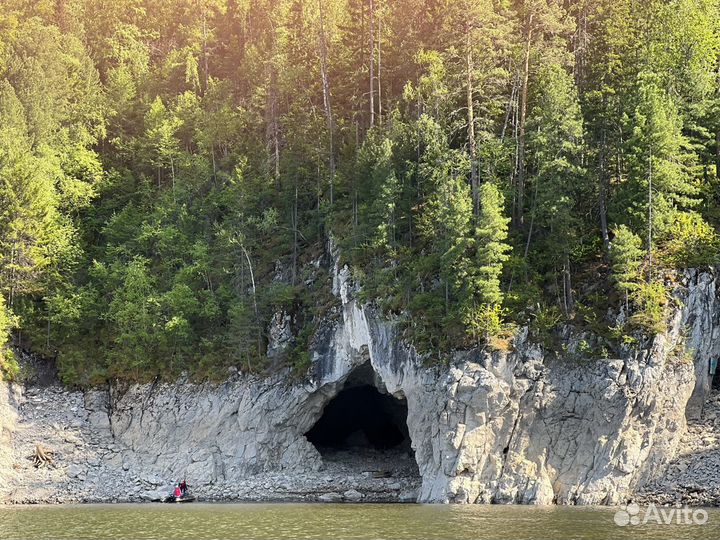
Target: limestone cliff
(501, 427)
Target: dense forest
(171, 171)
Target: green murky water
(396, 521)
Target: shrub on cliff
(690, 242)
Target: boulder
(331, 497)
(352, 495)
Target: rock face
(505, 427)
(8, 420)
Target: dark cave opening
(361, 417)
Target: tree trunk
(295, 236)
(61, 15)
(273, 130)
(379, 69)
(11, 298)
(522, 169)
(326, 99)
(650, 217)
(717, 133)
(717, 154)
(604, 187)
(580, 46)
(510, 108)
(371, 58)
(353, 187)
(567, 286)
(255, 306)
(172, 175)
(472, 144)
(206, 55)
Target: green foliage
(134, 313)
(492, 249)
(169, 175)
(488, 321)
(659, 162)
(545, 323)
(648, 298)
(651, 300)
(690, 242)
(626, 255)
(9, 368)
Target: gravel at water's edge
(693, 477)
(91, 467)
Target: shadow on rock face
(362, 417)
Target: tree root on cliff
(42, 457)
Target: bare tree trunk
(206, 54)
(326, 99)
(354, 184)
(472, 143)
(61, 15)
(580, 46)
(172, 174)
(567, 286)
(371, 57)
(214, 164)
(273, 129)
(522, 169)
(13, 251)
(650, 217)
(717, 133)
(510, 108)
(295, 236)
(532, 220)
(379, 68)
(717, 153)
(604, 185)
(255, 306)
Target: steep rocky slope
(502, 427)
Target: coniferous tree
(482, 310)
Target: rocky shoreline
(90, 467)
(693, 477)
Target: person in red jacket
(178, 492)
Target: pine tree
(543, 23)
(134, 314)
(482, 307)
(559, 181)
(659, 164)
(492, 250)
(28, 204)
(445, 221)
(626, 256)
(161, 126)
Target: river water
(393, 521)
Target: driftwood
(42, 457)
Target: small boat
(182, 499)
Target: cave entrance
(364, 429)
(362, 418)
